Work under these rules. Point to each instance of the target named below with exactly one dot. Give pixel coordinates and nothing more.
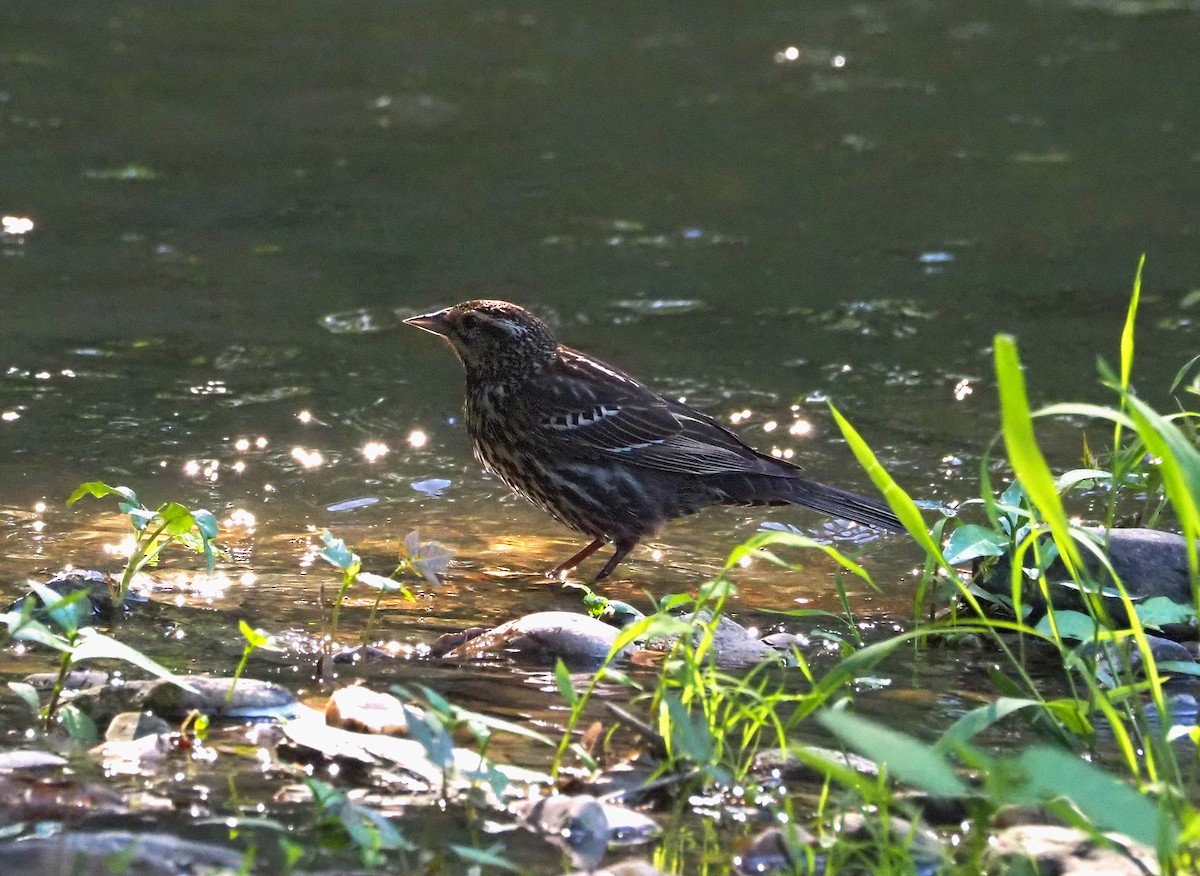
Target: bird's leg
(619, 554)
(570, 564)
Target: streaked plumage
(598, 450)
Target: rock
(924, 847)
(251, 699)
(584, 826)
(76, 679)
(447, 642)
(11, 761)
(544, 637)
(127, 726)
(92, 853)
(1148, 562)
(733, 645)
(624, 868)
(362, 710)
(577, 824)
(99, 587)
(363, 654)
(1048, 850)
(785, 766)
(31, 798)
(776, 850)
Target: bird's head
(495, 340)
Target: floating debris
(128, 173)
(661, 306)
(359, 322)
(351, 504)
(431, 486)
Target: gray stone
(544, 637)
(92, 853)
(1148, 562)
(1049, 850)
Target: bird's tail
(754, 489)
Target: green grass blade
(1023, 452)
(1130, 319)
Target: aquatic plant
(426, 560)
(709, 723)
(153, 531)
(61, 623)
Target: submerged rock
(733, 645)
(363, 710)
(209, 695)
(776, 850)
(544, 637)
(1064, 851)
(127, 726)
(585, 826)
(92, 853)
(1149, 563)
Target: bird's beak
(437, 323)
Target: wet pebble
(11, 761)
(127, 726)
(251, 698)
(733, 645)
(776, 850)
(1148, 562)
(91, 853)
(1064, 851)
(363, 710)
(785, 766)
(544, 637)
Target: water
(232, 207)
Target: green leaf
(901, 504)
(1023, 452)
(970, 542)
(78, 724)
(377, 582)
(428, 559)
(907, 758)
(1070, 625)
(256, 638)
(1171, 667)
(427, 730)
(94, 645)
(337, 554)
(206, 523)
(28, 695)
(1109, 804)
(1130, 320)
(690, 737)
(176, 519)
(67, 612)
(1159, 611)
(24, 628)
(1077, 476)
(1179, 464)
(566, 687)
(99, 489)
(977, 720)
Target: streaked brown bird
(599, 451)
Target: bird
(600, 451)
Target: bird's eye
(470, 321)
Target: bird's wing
(594, 405)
